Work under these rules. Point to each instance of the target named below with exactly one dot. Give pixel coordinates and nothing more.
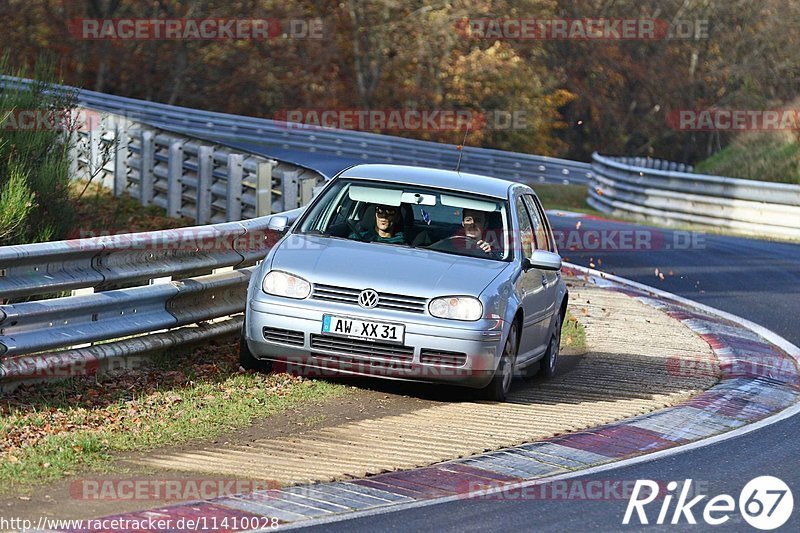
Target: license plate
(355, 328)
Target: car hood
(383, 267)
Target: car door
(544, 240)
(532, 290)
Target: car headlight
(456, 307)
(284, 284)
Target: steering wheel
(355, 229)
(447, 240)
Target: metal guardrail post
(93, 159)
(121, 155)
(233, 207)
(307, 190)
(147, 176)
(264, 189)
(205, 168)
(174, 179)
(289, 190)
(74, 154)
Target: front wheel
(246, 358)
(500, 386)
(550, 360)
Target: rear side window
(540, 232)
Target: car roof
(431, 177)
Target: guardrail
(672, 196)
(201, 180)
(361, 146)
(136, 308)
(657, 164)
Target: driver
(473, 225)
(387, 222)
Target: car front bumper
(470, 350)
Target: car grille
(362, 348)
(438, 357)
(345, 295)
(284, 336)
(352, 363)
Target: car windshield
(411, 216)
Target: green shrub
(34, 162)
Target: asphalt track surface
(757, 280)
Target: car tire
(549, 363)
(247, 360)
(499, 387)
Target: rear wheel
(550, 360)
(246, 358)
(499, 387)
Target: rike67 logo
(765, 503)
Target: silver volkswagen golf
(411, 273)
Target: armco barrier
(748, 206)
(357, 145)
(109, 261)
(201, 180)
(218, 258)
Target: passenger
(386, 228)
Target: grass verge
(757, 156)
(97, 212)
(573, 334)
(564, 197)
(51, 431)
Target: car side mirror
(543, 260)
(278, 223)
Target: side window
(539, 228)
(550, 237)
(525, 229)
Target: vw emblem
(368, 299)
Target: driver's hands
(485, 246)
